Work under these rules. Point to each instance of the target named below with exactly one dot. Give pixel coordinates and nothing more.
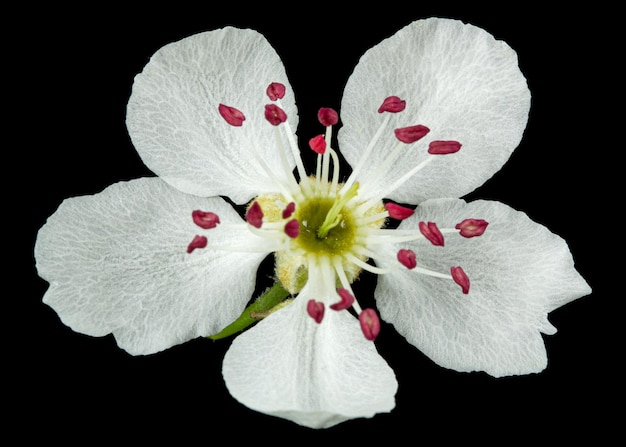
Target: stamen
(443, 147)
(432, 233)
(347, 299)
(472, 227)
(392, 104)
(315, 309)
(398, 212)
(292, 228)
(275, 91)
(232, 116)
(197, 242)
(274, 114)
(411, 134)
(370, 324)
(254, 215)
(407, 258)
(459, 277)
(318, 144)
(206, 220)
(327, 116)
(289, 210)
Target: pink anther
(205, 219)
(398, 212)
(327, 116)
(275, 115)
(289, 210)
(370, 324)
(254, 215)
(318, 144)
(459, 277)
(432, 233)
(347, 299)
(197, 242)
(472, 227)
(233, 116)
(292, 228)
(443, 147)
(407, 258)
(411, 134)
(275, 91)
(315, 309)
(392, 104)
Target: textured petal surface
(117, 263)
(173, 117)
(316, 375)
(458, 81)
(519, 271)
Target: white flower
(428, 115)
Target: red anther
(347, 299)
(289, 210)
(318, 144)
(411, 134)
(392, 104)
(398, 212)
(432, 233)
(254, 216)
(443, 147)
(370, 324)
(274, 114)
(292, 228)
(205, 219)
(197, 242)
(232, 116)
(472, 227)
(315, 309)
(275, 91)
(327, 116)
(459, 277)
(407, 258)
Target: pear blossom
(428, 115)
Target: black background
(72, 72)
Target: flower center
(332, 229)
(327, 226)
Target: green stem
(260, 308)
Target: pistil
(334, 217)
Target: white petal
(175, 125)
(117, 263)
(316, 375)
(519, 271)
(459, 82)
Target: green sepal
(273, 299)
